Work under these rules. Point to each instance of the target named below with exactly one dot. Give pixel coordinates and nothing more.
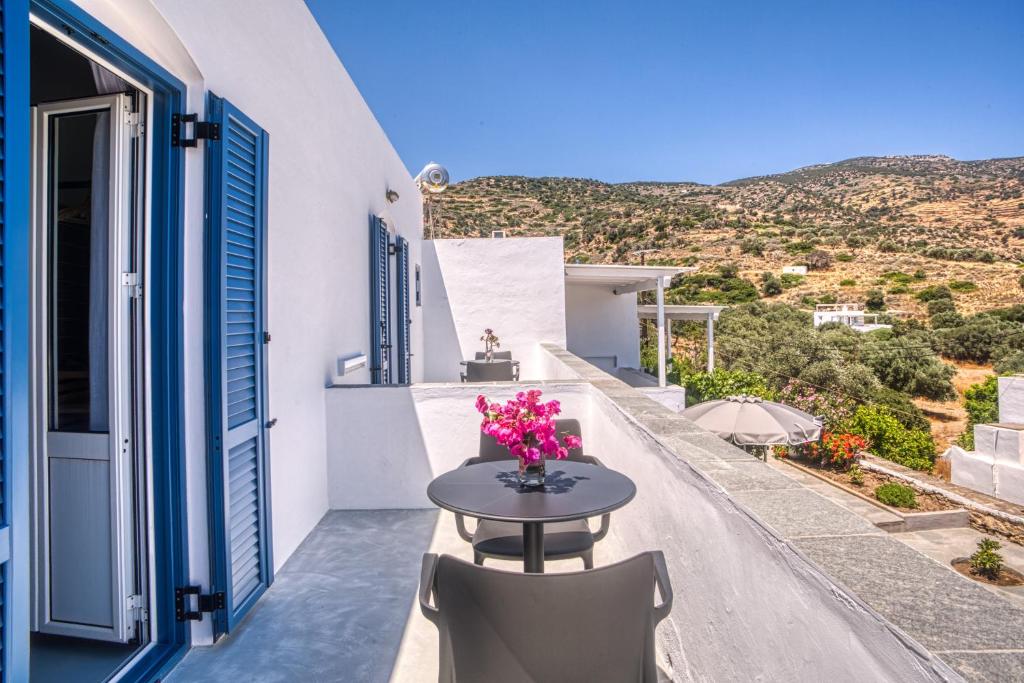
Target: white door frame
(119, 443)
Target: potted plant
(527, 427)
(491, 342)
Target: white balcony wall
(602, 326)
(385, 444)
(330, 166)
(514, 286)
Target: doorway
(91, 536)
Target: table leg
(533, 547)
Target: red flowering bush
(838, 450)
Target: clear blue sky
(705, 90)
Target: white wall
(385, 444)
(515, 286)
(1011, 399)
(330, 166)
(600, 323)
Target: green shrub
(896, 495)
(920, 274)
(982, 403)
(934, 292)
(791, 280)
(709, 386)
(770, 285)
(986, 561)
(936, 306)
(1010, 364)
(899, 289)
(889, 439)
(875, 300)
(962, 286)
(856, 475)
(847, 282)
(844, 257)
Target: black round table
(491, 490)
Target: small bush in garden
(838, 450)
(896, 495)
(963, 286)
(986, 561)
(888, 438)
(856, 475)
(847, 282)
(875, 300)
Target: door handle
(270, 423)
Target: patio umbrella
(752, 421)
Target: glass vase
(531, 475)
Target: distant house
(794, 270)
(851, 315)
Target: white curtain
(99, 276)
(107, 82)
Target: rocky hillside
(894, 224)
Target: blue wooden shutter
(380, 309)
(14, 348)
(236, 361)
(404, 341)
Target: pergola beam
(641, 286)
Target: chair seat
(505, 539)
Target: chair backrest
(491, 450)
(494, 371)
(497, 355)
(593, 625)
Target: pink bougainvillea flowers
(526, 426)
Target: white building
(221, 328)
(851, 315)
(996, 465)
(794, 270)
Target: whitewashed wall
(330, 166)
(601, 324)
(385, 444)
(514, 286)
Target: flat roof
(620, 277)
(681, 312)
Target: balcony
(772, 580)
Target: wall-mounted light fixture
(392, 196)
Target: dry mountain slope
(944, 219)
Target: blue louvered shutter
(402, 284)
(380, 310)
(14, 348)
(236, 361)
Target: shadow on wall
(441, 349)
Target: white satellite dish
(433, 178)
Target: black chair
(504, 540)
(496, 355)
(507, 627)
(489, 371)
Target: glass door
(88, 551)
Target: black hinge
(205, 603)
(201, 130)
(266, 337)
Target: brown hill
(881, 219)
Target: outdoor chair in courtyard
(504, 540)
(505, 627)
(501, 355)
(496, 355)
(489, 371)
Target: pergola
(626, 279)
(661, 313)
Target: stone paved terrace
(343, 607)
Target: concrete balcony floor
(343, 608)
